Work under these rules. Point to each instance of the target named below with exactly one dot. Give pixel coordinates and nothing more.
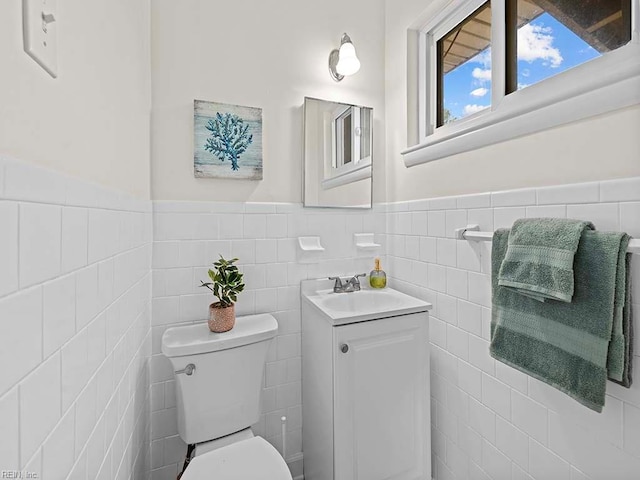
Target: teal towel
(571, 346)
(540, 255)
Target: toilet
(218, 387)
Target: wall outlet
(40, 32)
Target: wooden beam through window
(605, 21)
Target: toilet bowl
(218, 387)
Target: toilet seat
(253, 459)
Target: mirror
(337, 154)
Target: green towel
(571, 346)
(620, 355)
(540, 256)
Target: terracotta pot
(221, 319)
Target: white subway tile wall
(490, 421)
(91, 279)
(75, 283)
(188, 237)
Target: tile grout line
(61, 275)
(17, 383)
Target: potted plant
(226, 283)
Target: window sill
(354, 173)
(602, 85)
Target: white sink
(367, 304)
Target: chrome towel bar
(472, 232)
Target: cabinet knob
(344, 348)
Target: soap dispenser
(377, 277)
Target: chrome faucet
(350, 285)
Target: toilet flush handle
(189, 369)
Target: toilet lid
(253, 459)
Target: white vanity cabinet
(365, 396)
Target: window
(350, 146)
(343, 135)
(547, 37)
(464, 56)
(495, 69)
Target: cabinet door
(381, 397)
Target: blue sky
(545, 48)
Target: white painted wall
(488, 420)
(599, 148)
(269, 54)
(93, 120)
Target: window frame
(339, 129)
(358, 168)
(580, 92)
(440, 32)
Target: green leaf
(226, 281)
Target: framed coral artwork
(227, 141)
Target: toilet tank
(222, 394)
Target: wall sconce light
(343, 61)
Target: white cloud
(479, 92)
(587, 49)
(471, 109)
(482, 74)
(483, 58)
(536, 43)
